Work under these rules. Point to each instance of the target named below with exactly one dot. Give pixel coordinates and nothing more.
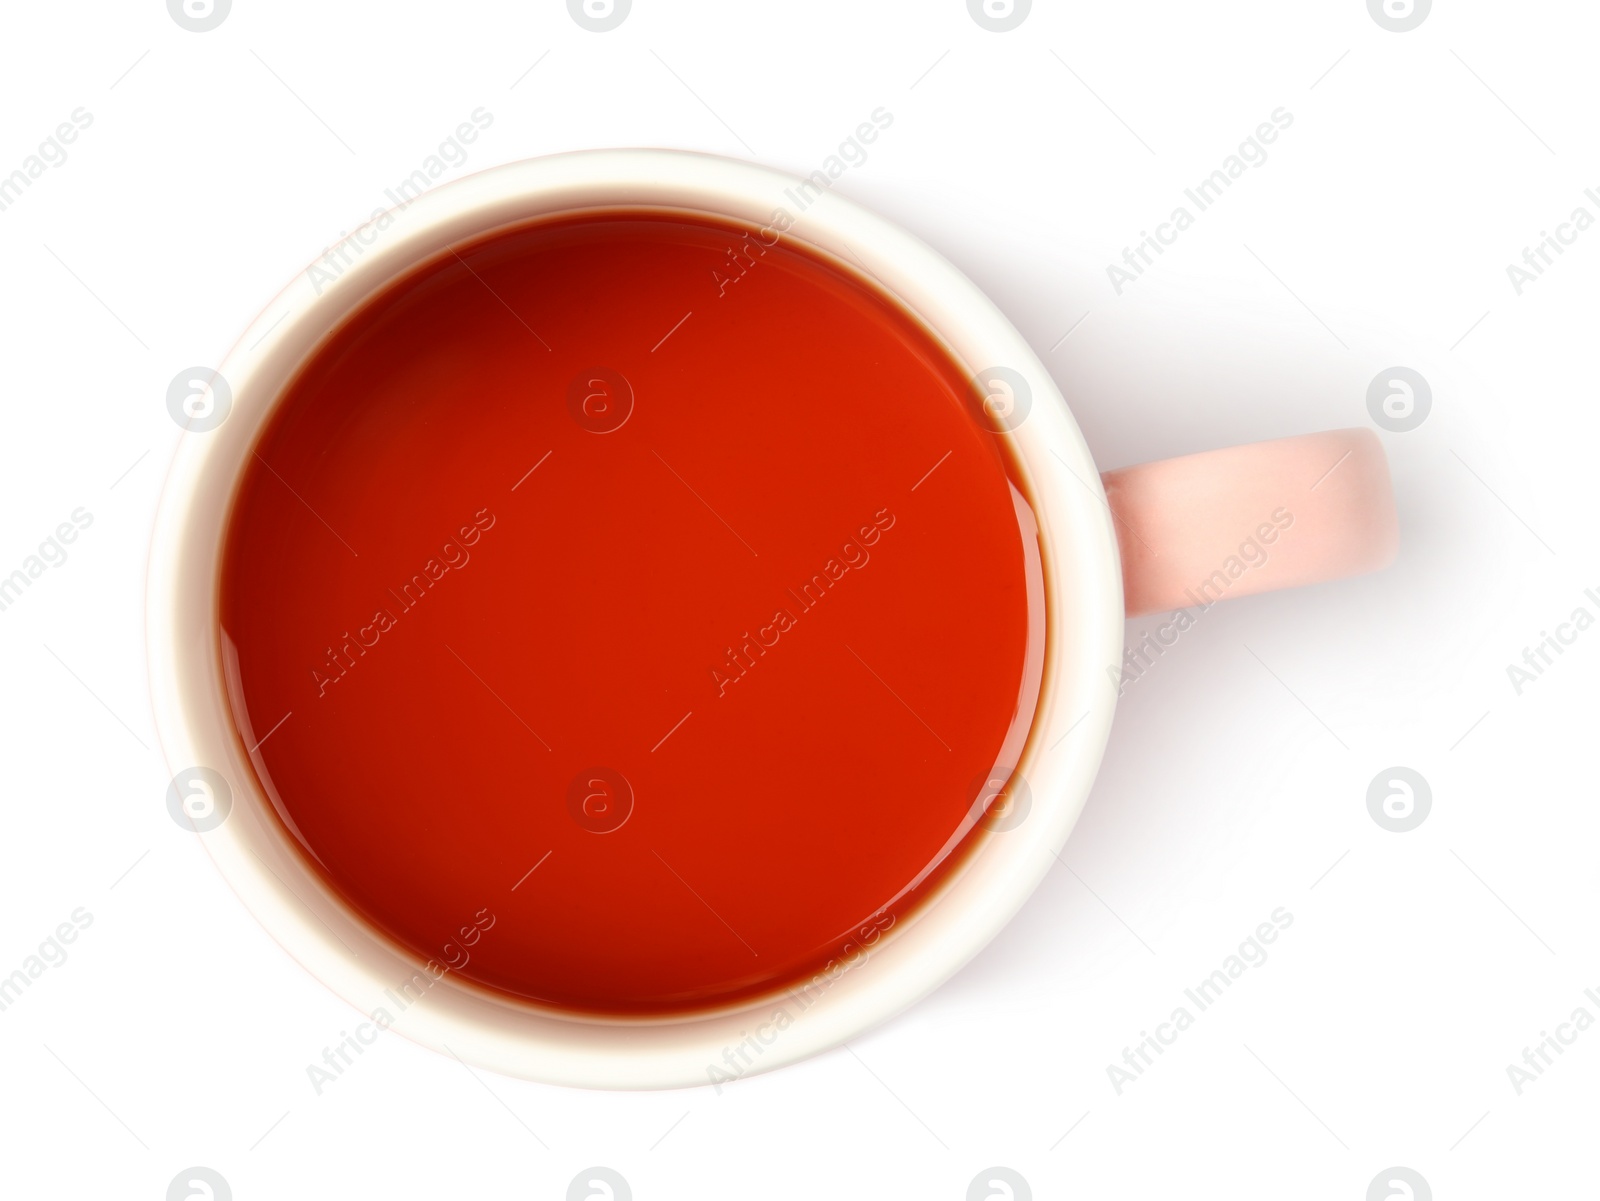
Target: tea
(631, 611)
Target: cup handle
(1228, 523)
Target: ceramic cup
(1185, 532)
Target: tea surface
(626, 612)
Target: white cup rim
(876, 980)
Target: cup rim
(874, 980)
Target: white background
(1418, 965)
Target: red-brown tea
(628, 610)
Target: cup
(1180, 533)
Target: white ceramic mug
(879, 972)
